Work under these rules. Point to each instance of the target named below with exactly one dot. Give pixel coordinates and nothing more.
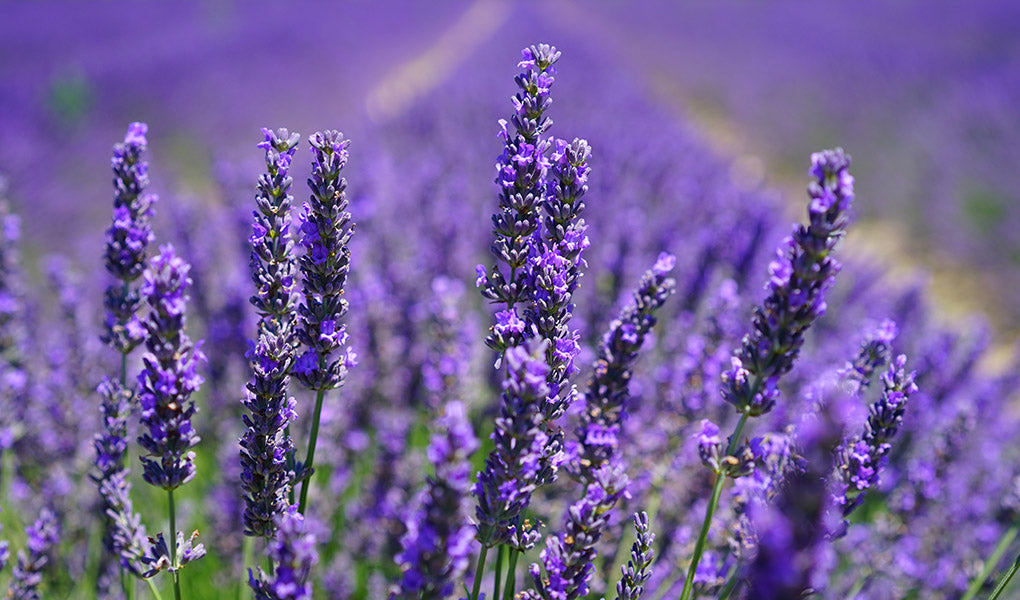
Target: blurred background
(702, 115)
(922, 94)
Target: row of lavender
(632, 438)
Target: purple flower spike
(568, 559)
(169, 376)
(606, 398)
(265, 477)
(516, 466)
(860, 460)
(272, 257)
(521, 176)
(800, 275)
(439, 534)
(639, 568)
(127, 240)
(293, 555)
(26, 576)
(326, 230)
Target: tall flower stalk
(165, 386)
(266, 445)
(26, 576)
(326, 230)
(125, 255)
(800, 275)
(594, 458)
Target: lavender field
(583, 302)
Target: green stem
(729, 587)
(511, 576)
(173, 546)
(246, 556)
(476, 587)
(310, 458)
(699, 546)
(499, 572)
(1004, 582)
(152, 588)
(858, 586)
(993, 560)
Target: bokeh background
(702, 116)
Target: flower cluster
(170, 375)
(860, 460)
(639, 568)
(521, 175)
(606, 398)
(326, 230)
(801, 273)
(272, 259)
(265, 445)
(516, 467)
(26, 576)
(435, 548)
(127, 239)
(293, 554)
(13, 377)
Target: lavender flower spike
(127, 239)
(515, 467)
(557, 271)
(169, 376)
(639, 567)
(799, 276)
(13, 377)
(272, 258)
(125, 535)
(597, 435)
(520, 173)
(438, 539)
(27, 574)
(859, 461)
(569, 557)
(265, 476)
(293, 556)
(326, 230)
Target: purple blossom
(326, 230)
(27, 574)
(439, 534)
(272, 258)
(521, 175)
(293, 555)
(170, 375)
(801, 273)
(638, 569)
(515, 467)
(860, 460)
(265, 445)
(127, 239)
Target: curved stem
(310, 458)
(1000, 549)
(476, 587)
(246, 559)
(175, 575)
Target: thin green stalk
(152, 588)
(1000, 549)
(1004, 582)
(310, 458)
(713, 503)
(499, 572)
(857, 587)
(511, 576)
(173, 545)
(246, 555)
(476, 587)
(731, 585)
(699, 546)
